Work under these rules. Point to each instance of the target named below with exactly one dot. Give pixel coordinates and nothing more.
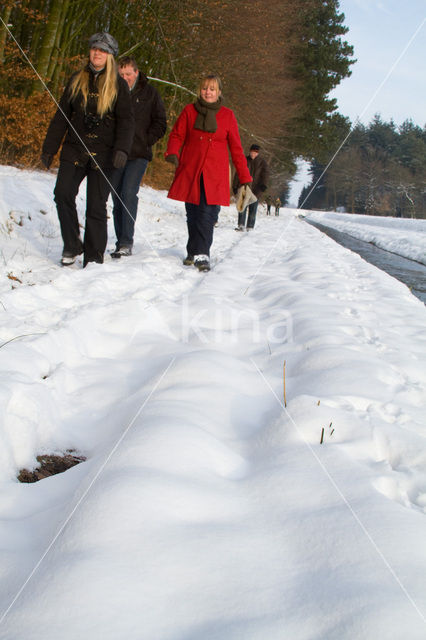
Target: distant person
(150, 126)
(258, 168)
(96, 118)
(198, 148)
(268, 205)
(277, 206)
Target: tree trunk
(56, 48)
(48, 42)
(3, 31)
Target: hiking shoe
(249, 228)
(122, 251)
(189, 260)
(239, 228)
(202, 263)
(68, 258)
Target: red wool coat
(200, 152)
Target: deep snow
(207, 509)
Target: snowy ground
(206, 509)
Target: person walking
(268, 205)
(150, 126)
(198, 148)
(277, 206)
(258, 168)
(95, 117)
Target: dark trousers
(252, 209)
(126, 183)
(200, 219)
(268, 210)
(69, 178)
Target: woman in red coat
(198, 147)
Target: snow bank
(403, 236)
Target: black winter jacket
(258, 168)
(150, 118)
(101, 136)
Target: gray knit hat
(105, 42)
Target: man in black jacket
(259, 171)
(150, 126)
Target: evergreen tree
(411, 151)
(381, 170)
(322, 60)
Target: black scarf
(95, 72)
(206, 114)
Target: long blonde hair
(108, 86)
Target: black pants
(126, 183)
(200, 219)
(68, 181)
(251, 219)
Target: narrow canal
(411, 273)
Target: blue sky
(379, 32)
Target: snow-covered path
(206, 508)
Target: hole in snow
(49, 465)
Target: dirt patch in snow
(49, 465)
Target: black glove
(46, 159)
(263, 187)
(119, 159)
(173, 159)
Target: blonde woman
(198, 147)
(96, 118)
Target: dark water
(411, 273)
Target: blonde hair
(211, 77)
(108, 86)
